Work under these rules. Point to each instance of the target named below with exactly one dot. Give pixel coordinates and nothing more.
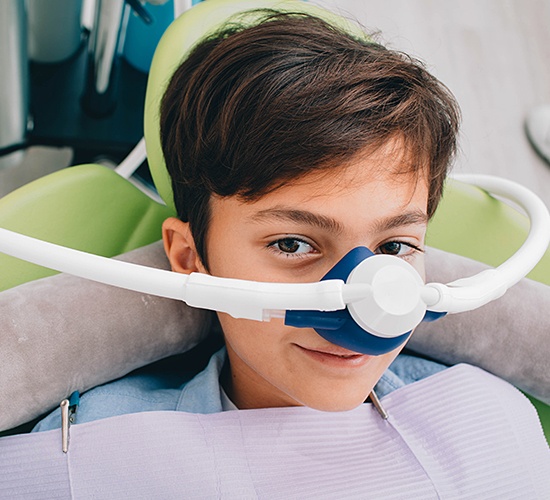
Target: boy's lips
(335, 356)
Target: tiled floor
(493, 54)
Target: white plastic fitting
(394, 305)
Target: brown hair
(252, 108)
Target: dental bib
(461, 433)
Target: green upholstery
(93, 209)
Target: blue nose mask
(339, 327)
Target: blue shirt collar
(202, 393)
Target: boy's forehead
(373, 186)
(387, 168)
(364, 173)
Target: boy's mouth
(335, 356)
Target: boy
(288, 144)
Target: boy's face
(296, 234)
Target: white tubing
(240, 298)
(93, 267)
(131, 163)
(470, 293)
(250, 299)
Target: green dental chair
(92, 208)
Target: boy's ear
(179, 246)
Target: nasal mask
(366, 303)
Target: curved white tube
(251, 299)
(470, 293)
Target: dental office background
(73, 81)
(74, 72)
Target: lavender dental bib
(461, 433)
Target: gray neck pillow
(62, 334)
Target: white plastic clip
(68, 417)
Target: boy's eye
(292, 246)
(397, 248)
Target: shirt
(201, 393)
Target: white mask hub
(395, 305)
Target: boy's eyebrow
(299, 217)
(413, 217)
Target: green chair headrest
(178, 40)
